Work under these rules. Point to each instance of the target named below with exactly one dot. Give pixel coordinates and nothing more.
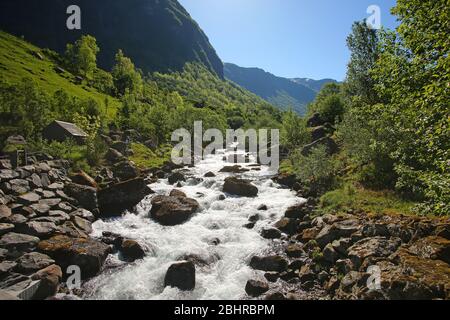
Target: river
(215, 235)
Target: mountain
(281, 92)
(158, 35)
(315, 85)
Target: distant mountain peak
(284, 93)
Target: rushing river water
(227, 271)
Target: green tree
(81, 57)
(126, 77)
(294, 133)
(329, 103)
(363, 43)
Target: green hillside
(20, 59)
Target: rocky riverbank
(357, 255)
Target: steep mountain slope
(159, 35)
(282, 92)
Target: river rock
(181, 275)
(32, 262)
(177, 193)
(122, 196)
(86, 196)
(233, 169)
(209, 175)
(240, 187)
(288, 226)
(297, 211)
(372, 247)
(19, 242)
(88, 254)
(176, 177)
(271, 233)
(132, 250)
(171, 211)
(255, 288)
(269, 263)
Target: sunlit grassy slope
(20, 59)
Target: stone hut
(61, 131)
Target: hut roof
(71, 128)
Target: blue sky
(289, 38)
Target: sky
(289, 38)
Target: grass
(19, 59)
(145, 158)
(352, 197)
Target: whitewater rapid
(226, 272)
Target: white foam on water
(227, 271)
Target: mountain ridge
(282, 92)
(158, 35)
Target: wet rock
(288, 226)
(271, 233)
(176, 177)
(88, 254)
(19, 242)
(50, 278)
(177, 193)
(171, 211)
(132, 250)
(269, 263)
(111, 238)
(249, 225)
(233, 169)
(272, 276)
(86, 196)
(82, 178)
(276, 296)
(209, 175)
(262, 207)
(432, 247)
(181, 275)
(372, 247)
(240, 187)
(122, 196)
(285, 179)
(256, 288)
(32, 262)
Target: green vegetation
(391, 118)
(145, 158)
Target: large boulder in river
(181, 275)
(122, 196)
(255, 288)
(132, 250)
(240, 187)
(269, 263)
(171, 211)
(88, 254)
